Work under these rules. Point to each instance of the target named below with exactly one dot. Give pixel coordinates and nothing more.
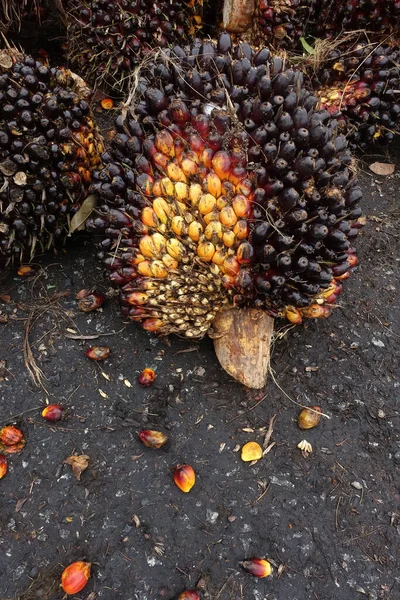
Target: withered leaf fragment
(79, 463)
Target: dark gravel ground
(330, 523)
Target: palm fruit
(360, 82)
(48, 146)
(107, 39)
(224, 186)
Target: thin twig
(269, 431)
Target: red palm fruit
(146, 377)
(10, 435)
(3, 465)
(152, 438)
(75, 577)
(258, 567)
(184, 477)
(53, 412)
(91, 302)
(189, 595)
(98, 352)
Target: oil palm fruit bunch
(108, 38)
(350, 15)
(48, 146)
(361, 81)
(225, 191)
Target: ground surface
(330, 523)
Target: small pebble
(34, 572)
(357, 485)
(381, 414)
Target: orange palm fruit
(52, 412)
(75, 577)
(152, 438)
(258, 567)
(184, 477)
(10, 435)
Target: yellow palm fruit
(189, 167)
(152, 324)
(179, 226)
(167, 187)
(206, 204)
(149, 217)
(175, 173)
(228, 217)
(195, 230)
(158, 189)
(159, 242)
(160, 160)
(144, 268)
(212, 216)
(181, 191)
(221, 164)
(206, 158)
(170, 262)
(147, 246)
(222, 201)
(175, 248)
(214, 185)
(195, 193)
(241, 205)
(241, 230)
(205, 251)
(162, 209)
(229, 239)
(164, 143)
(158, 269)
(293, 315)
(213, 232)
(219, 256)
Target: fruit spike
(108, 39)
(224, 187)
(48, 147)
(359, 81)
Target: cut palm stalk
(238, 15)
(242, 342)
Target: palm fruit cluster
(351, 15)
(224, 186)
(361, 81)
(108, 38)
(283, 22)
(48, 147)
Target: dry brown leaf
(79, 463)
(5, 298)
(382, 168)
(79, 218)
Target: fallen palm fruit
(11, 436)
(91, 302)
(107, 40)
(98, 352)
(251, 451)
(189, 595)
(146, 377)
(53, 412)
(152, 438)
(75, 577)
(259, 567)
(309, 418)
(184, 477)
(3, 465)
(107, 103)
(48, 147)
(204, 209)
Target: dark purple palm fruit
(283, 22)
(107, 39)
(225, 187)
(49, 145)
(360, 82)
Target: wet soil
(329, 523)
